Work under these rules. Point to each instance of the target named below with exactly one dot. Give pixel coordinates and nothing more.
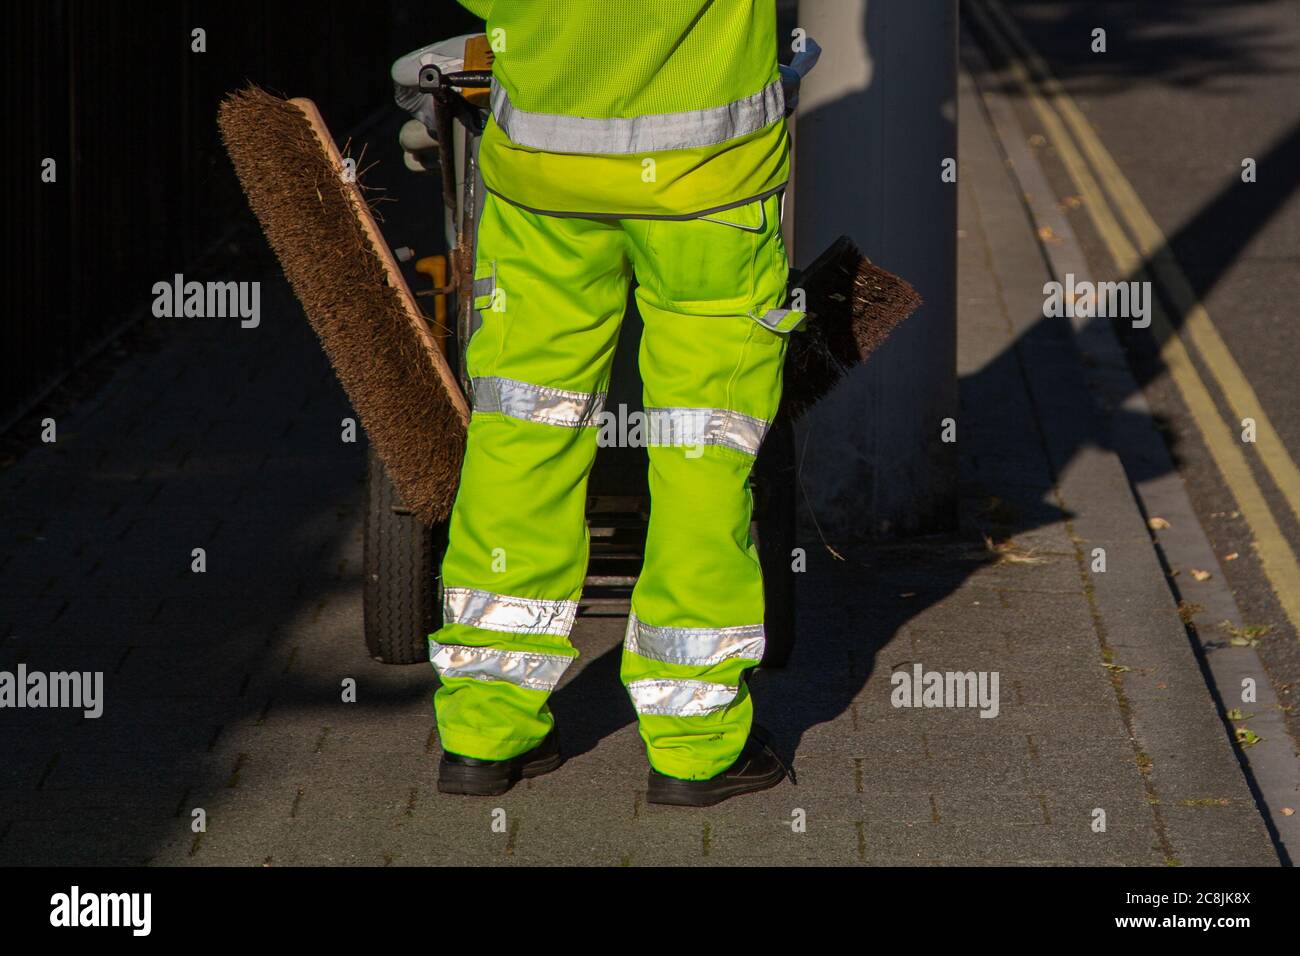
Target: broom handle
(395, 277)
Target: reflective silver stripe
(522, 668)
(680, 698)
(501, 612)
(694, 645)
(537, 403)
(706, 426)
(557, 133)
(772, 318)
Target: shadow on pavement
(229, 442)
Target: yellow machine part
(478, 56)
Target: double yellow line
(1151, 257)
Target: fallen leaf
(1287, 811)
(1246, 636)
(1201, 575)
(1158, 524)
(1231, 557)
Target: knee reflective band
(518, 545)
(536, 403)
(706, 426)
(693, 645)
(500, 612)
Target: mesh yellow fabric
(614, 59)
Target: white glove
(792, 75)
(419, 149)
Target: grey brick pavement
(223, 689)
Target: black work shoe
(757, 768)
(487, 778)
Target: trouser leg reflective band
(712, 383)
(553, 294)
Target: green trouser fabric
(551, 292)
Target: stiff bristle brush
(853, 305)
(344, 274)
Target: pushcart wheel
(402, 601)
(773, 530)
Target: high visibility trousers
(551, 292)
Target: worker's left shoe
(487, 778)
(757, 768)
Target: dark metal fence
(113, 93)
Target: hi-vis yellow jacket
(667, 109)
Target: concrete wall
(876, 119)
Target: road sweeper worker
(625, 140)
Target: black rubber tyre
(773, 530)
(403, 600)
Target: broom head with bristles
(852, 305)
(321, 229)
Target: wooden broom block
(395, 277)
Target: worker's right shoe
(487, 778)
(757, 768)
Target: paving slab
(224, 688)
